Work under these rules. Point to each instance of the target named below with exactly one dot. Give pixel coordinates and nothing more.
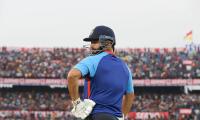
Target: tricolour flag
(188, 36)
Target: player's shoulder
(94, 57)
(121, 60)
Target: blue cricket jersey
(107, 79)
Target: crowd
(38, 63)
(32, 104)
(56, 62)
(171, 103)
(163, 64)
(59, 101)
(34, 101)
(165, 102)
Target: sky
(64, 23)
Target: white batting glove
(75, 103)
(82, 108)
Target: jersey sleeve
(130, 88)
(83, 66)
(89, 64)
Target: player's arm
(73, 86)
(81, 108)
(74, 75)
(127, 103)
(129, 96)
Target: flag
(188, 36)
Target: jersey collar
(109, 52)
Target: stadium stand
(42, 102)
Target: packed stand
(162, 63)
(35, 105)
(38, 63)
(56, 62)
(171, 103)
(59, 101)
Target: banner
(187, 111)
(63, 82)
(148, 115)
(12, 113)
